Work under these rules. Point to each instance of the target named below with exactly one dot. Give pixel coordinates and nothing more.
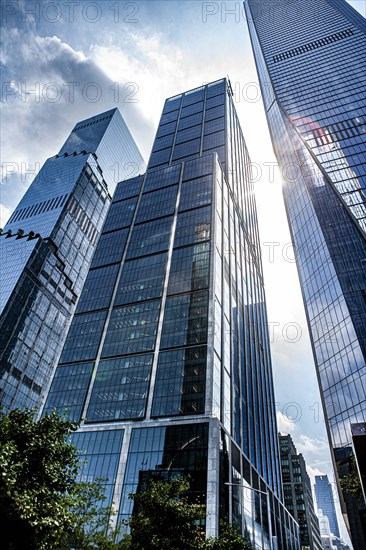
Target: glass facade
(311, 68)
(45, 252)
(325, 502)
(176, 350)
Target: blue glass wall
(310, 63)
(46, 248)
(169, 339)
(325, 502)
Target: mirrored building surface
(311, 67)
(46, 248)
(325, 502)
(168, 351)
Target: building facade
(167, 360)
(46, 248)
(310, 62)
(297, 493)
(325, 502)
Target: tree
(165, 519)
(229, 539)
(42, 506)
(38, 468)
(350, 483)
(90, 528)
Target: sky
(63, 61)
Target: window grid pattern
(120, 389)
(157, 204)
(193, 226)
(99, 457)
(189, 269)
(98, 288)
(83, 337)
(313, 45)
(110, 248)
(68, 390)
(196, 193)
(180, 382)
(141, 279)
(120, 214)
(128, 188)
(181, 450)
(132, 329)
(185, 320)
(150, 237)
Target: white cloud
(314, 472)
(47, 81)
(285, 424)
(308, 445)
(5, 214)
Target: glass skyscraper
(311, 66)
(46, 248)
(325, 501)
(167, 363)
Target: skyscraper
(297, 493)
(325, 502)
(46, 248)
(311, 67)
(167, 362)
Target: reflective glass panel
(185, 320)
(132, 329)
(83, 337)
(120, 389)
(98, 288)
(180, 382)
(150, 237)
(141, 279)
(189, 269)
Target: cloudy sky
(64, 61)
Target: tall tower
(167, 362)
(46, 248)
(297, 493)
(311, 66)
(325, 502)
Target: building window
(180, 382)
(141, 279)
(120, 389)
(185, 320)
(132, 329)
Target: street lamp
(272, 540)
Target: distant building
(329, 541)
(46, 248)
(297, 493)
(325, 502)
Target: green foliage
(229, 539)
(91, 520)
(165, 519)
(38, 468)
(42, 506)
(351, 483)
